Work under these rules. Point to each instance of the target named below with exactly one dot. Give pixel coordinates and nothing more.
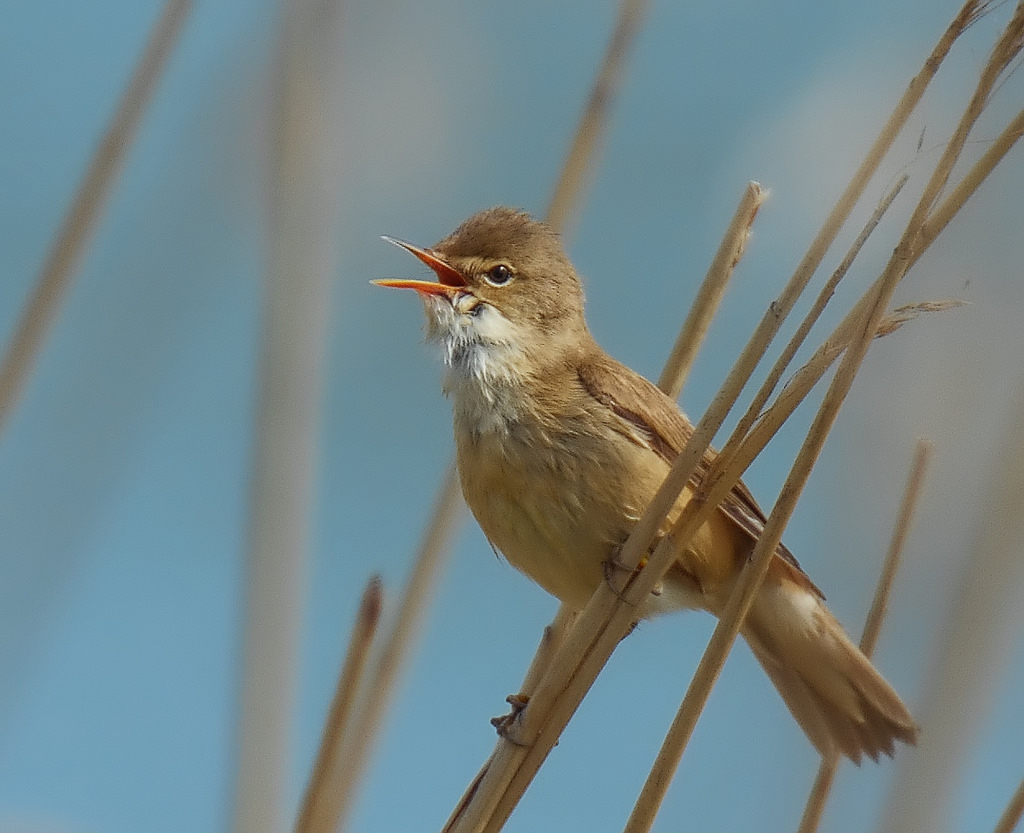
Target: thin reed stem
(771, 381)
(923, 452)
(321, 804)
(709, 296)
(967, 15)
(855, 189)
(85, 210)
(817, 308)
(551, 639)
(742, 597)
(971, 181)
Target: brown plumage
(560, 448)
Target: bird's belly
(555, 516)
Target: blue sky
(124, 471)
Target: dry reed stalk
(824, 296)
(378, 688)
(815, 806)
(86, 208)
(797, 393)
(321, 804)
(1013, 813)
(968, 14)
(583, 654)
(941, 216)
(742, 597)
(928, 231)
(551, 639)
(822, 242)
(593, 123)
(709, 296)
(304, 201)
(810, 373)
(880, 603)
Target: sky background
(124, 471)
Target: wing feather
(658, 423)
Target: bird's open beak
(450, 279)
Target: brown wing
(666, 430)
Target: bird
(560, 448)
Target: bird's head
(505, 292)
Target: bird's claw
(613, 568)
(507, 725)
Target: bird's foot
(616, 574)
(615, 569)
(507, 725)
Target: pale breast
(556, 503)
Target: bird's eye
(499, 275)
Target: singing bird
(560, 448)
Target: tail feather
(842, 703)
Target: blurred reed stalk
(1013, 813)
(449, 507)
(378, 687)
(818, 797)
(608, 616)
(986, 616)
(325, 794)
(86, 208)
(304, 202)
(582, 157)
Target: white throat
(482, 357)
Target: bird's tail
(834, 692)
